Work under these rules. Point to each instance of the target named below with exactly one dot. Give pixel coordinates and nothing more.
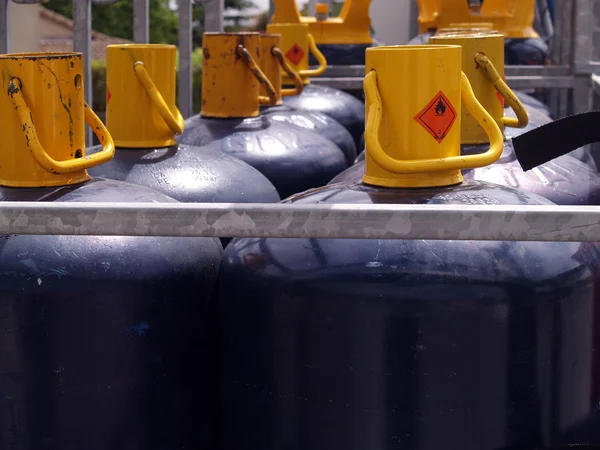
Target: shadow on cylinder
(381, 344)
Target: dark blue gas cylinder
(317, 122)
(144, 133)
(571, 179)
(526, 52)
(189, 174)
(565, 180)
(339, 105)
(293, 159)
(385, 344)
(343, 54)
(533, 103)
(107, 341)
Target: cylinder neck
(269, 64)
(134, 72)
(229, 88)
(50, 85)
(491, 45)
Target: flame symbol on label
(440, 108)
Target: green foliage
(99, 83)
(116, 19)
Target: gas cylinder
(539, 113)
(293, 159)
(514, 19)
(564, 180)
(342, 39)
(272, 61)
(416, 344)
(296, 43)
(106, 340)
(143, 119)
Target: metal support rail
(432, 222)
(517, 77)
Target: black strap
(557, 138)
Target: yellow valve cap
(483, 64)
(322, 8)
(414, 100)
(43, 121)
(141, 111)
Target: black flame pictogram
(440, 108)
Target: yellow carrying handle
(298, 84)
(509, 96)
(37, 151)
(175, 120)
(312, 46)
(260, 76)
(375, 114)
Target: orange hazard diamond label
(500, 98)
(295, 54)
(437, 117)
(108, 96)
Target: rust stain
(206, 53)
(62, 101)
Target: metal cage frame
(573, 79)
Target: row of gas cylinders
(164, 343)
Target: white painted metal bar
(82, 42)
(141, 21)
(434, 222)
(185, 57)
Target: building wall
(25, 29)
(28, 28)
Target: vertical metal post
(213, 15)
(5, 26)
(82, 42)
(271, 9)
(414, 15)
(582, 54)
(312, 7)
(185, 57)
(562, 44)
(141, 21)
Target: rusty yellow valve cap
(269, 64)
(492, 101)
(43, 121)
(141, 110)
(413, 110)
(513, 18)
(273, 63)
(296, 43)
(352, 26)
(231, 76)
(486, 79)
